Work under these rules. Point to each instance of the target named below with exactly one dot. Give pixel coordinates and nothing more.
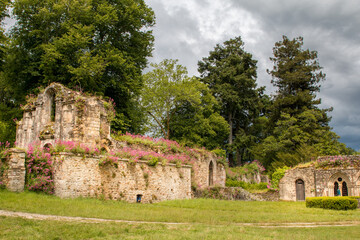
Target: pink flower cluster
(135, 155)
(259, 165)
(74, 147)
(39, 169)
(4, 149)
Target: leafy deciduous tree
(99, 45)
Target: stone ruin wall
(287, 187)
(319, 182)
(200, 170)
(85, 120)
(12, 173)
(79, 119)
(76, 176)
(202, 175)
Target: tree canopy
(99, 46)
(298, 129)
(181, 107)
(230, 73)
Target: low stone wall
(76, 176)
(13, 171)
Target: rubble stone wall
(319, 182)
(76, 176)
(287, 184)
(13, 171)
(202, 173)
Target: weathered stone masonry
(62, 114)
(13, 170)
(299, 183)
(77, 176)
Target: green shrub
(245, 185)
(277, 176)
(335, 203)
(152, 161)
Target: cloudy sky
(188, 29)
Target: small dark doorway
(211, 173)
(336, 188)
(344, 189)
(300, 190)
(138, 198)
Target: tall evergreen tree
(297, 76)
(298, 128)
(230, 73)
(99, 45)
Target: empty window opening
(138, 198)
(300, 190)
(211, 173)
(344, 189)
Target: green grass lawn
(206, 218)
(18, 228)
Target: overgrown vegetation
(246, 176)
(245, 185)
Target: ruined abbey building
(61, 114)
(327, 176)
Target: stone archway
(300, 190)
(340, 181)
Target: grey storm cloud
(187, 30)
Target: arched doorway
(211, 173)
(344, 189)
(336, 188)
(47, 147)
(300, 190)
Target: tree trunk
(231, 128)
(231, 155)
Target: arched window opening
(300, 190)
(344, 189)
(336, 189)
(52, 108)
(211, 173)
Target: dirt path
(35, 216)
